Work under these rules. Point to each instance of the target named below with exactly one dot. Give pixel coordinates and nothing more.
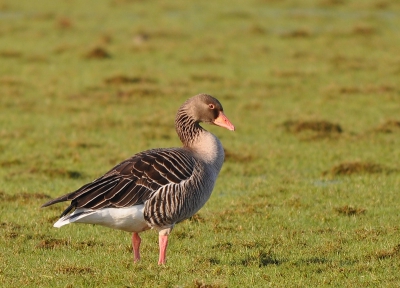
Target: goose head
(205, 108)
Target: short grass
(309, 193)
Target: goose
(157, 188)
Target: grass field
(309, 193)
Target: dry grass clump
(55, 243)
(57, 172)
(349, 168)
(350, 63)
(364, 30)
(317, 126)
(10, 230)
(201, 284)
(52, 243)
(256, 29)
(290, 73)
(237, 15)
(206, 77)
(238, 157)
(354, 89)
(313, 129)
(97, 53)
(22, 196)
(150, 33)
(298, 33)
(10, 163)
(382, 5)
(10, 81)
(62, 48)
(205, 59)
(123, 79)
(389, 253)
(350, 210)
(389, 126)
(75, 270)
(141, 91)
(332, 2)
(64, 23)
(197, 218)
(10, 54)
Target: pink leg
(163, 242)
(136, 246)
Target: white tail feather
(61, 222)
(71, 218)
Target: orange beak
(223, 121)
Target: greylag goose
(156, 188)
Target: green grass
(86, 84)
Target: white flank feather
(128, 219)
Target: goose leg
(136, 246)
(163, 243)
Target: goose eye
(211, 106)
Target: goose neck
(187, 128)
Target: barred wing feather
(133, 181)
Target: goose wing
(133, 181)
